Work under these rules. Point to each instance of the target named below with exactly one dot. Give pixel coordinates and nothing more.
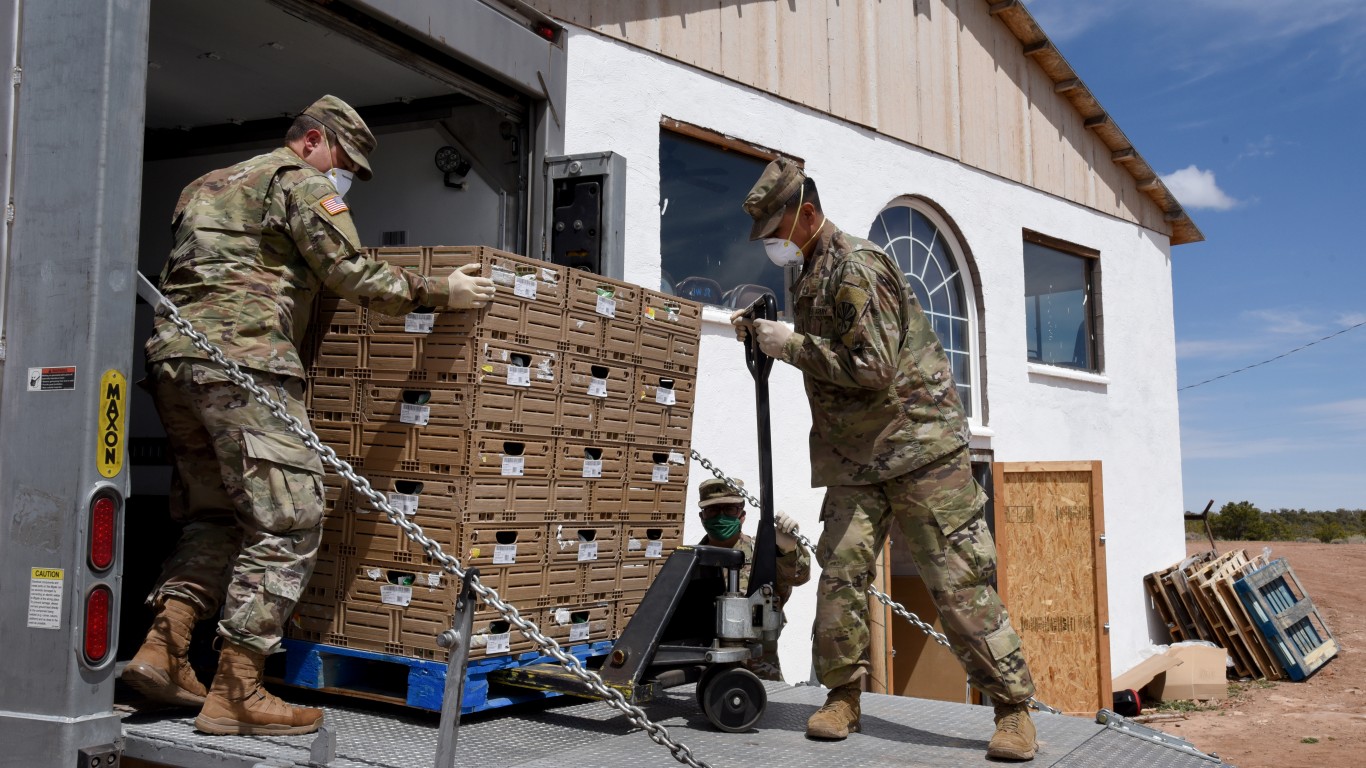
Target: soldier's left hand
(784, 532)
(772, 335)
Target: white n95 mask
(783, 253)
(341, 179)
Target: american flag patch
(334, 205)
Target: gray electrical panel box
(586, 213)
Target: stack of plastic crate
(542, 440)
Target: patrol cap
(354, 136)
(768, 197)
(715, 491)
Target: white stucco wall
(1126, 418)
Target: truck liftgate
(896, 731)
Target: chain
(634, 714)
(881, 596)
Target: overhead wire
(1273, 359)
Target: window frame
(967, 272)
(1095, 326)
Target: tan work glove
(467, 289)
(771, 334)
(785, 532)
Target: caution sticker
(45, 598)
(52, 379)
(113, 412)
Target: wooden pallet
(1279, 606)
(1226, 619)
(413, 682)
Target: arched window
(922, 246)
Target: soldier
(888, 442)
(253, 245)
(723, 512)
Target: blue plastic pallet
(417, 683)
(1287, 618)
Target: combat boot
(237, 705)
(161, 669)
(840, 715)
(1014, 737)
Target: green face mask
(722, 527)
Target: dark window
(922, 252)
(704, 243)
(1060, 308)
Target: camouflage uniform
(253, 244)
(888, 441)
(794, 570)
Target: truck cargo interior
(223, 84)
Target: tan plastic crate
(491, 546)
(576, 624)
(613, 304)
(329, 394)
(441, 452)
(605, 380)
(515, 410)
(494, 499)
(506, 455)
(383, 447)
(422, 404)
(590, 461)
(582, 542)
(593, 418)
(643, 541)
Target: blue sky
(1254, 111)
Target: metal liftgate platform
(896, 731)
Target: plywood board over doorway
(1050, 526)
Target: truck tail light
(98, 606)
(103, 531)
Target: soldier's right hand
(741, 323)
(467, 289)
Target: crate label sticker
(654, 549)
(588, 550)
(519, 376)
(408, 413)
(374, 574)
(499, 643)
(53, 379)
(578, 632)
(525, 286)
(502, 275)
(676, 458)
(419, 322)
(665, 396)
(112, 416)
(549, 275)
(45, 598)
(404, 502)
(544, 371)
(434, 580)
(632, 544)
(607, 306)
(597, 387)
(661, 474)
(562, 616)
(504, 554)
(592, 467)
(396, 594)
(514, 466)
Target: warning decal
(51, 379)
(112, 416)
(45, 599)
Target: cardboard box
(1183, 672)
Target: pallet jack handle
(765, 567)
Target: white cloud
(1067, 19)
(1217, 349)
(1198, 444)
(1287, 321)
(1351, 318)
(1264, 147)
(1196, 188)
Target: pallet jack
(667, 643)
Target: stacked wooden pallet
(543, 440)
(1196, 599)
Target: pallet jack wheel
(733, 699)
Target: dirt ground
(1276, 725)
